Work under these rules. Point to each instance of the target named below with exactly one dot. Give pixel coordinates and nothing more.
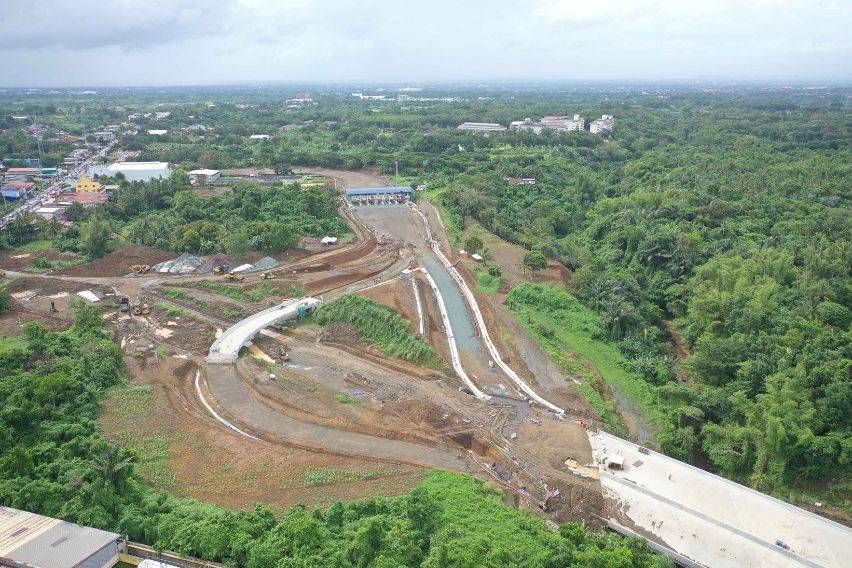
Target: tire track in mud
(227, 388)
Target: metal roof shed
(377, 191)
(36, 541)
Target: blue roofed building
(372, 195)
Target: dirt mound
(346, 334)
(118, 262)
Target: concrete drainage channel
(480, 321)
(454, 350)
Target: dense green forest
(167, 214)
(53, 460)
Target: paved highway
(713, 520)
(53, 189)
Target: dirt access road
(350, 178)
(262, 420)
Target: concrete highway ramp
(227, 347)
(709, 519)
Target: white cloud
(57, 42)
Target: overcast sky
(190, 42)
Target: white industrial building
(35, 541)
(481, 127)
(203, 176)
(134, 171)
(158, 132)
(259, 137)
(605, 122)
(555, 122)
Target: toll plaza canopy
(366, 191)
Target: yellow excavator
(234, 277)
(140, 268)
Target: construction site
(255, 402)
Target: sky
(56, 43)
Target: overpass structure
(227, 347)
(708, 519)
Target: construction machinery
(222, 268)
(267, 275)
(230, 277)
(140, 310)
(140, 268)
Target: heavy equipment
(140, 310)
(140, 268)
(234, 277)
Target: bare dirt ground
(350, 178)
(22, 259)
(211, 191)
(243, 472)
(118, 262)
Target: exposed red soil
(18, 260)
(118, 262)
(242, 472)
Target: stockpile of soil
(346, 334)
(118, 263)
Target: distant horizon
(154, 43)
(471, 84)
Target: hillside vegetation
(574, 337)
(380, 325)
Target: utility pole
(396, 167)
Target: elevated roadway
(712, 520)
(227, 347)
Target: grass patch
(572, 336)
(330, 475)
(127, 406)
(237, 292)
(232, 313)
(170, 310)
(36, 245)
(344, 398)
(183, 296)
(176, 294)
(380, 325)
(488, 284)
(12, 343)
(42, 265)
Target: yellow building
(88, 185)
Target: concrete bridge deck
(227, 347)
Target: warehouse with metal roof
(36, 541)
